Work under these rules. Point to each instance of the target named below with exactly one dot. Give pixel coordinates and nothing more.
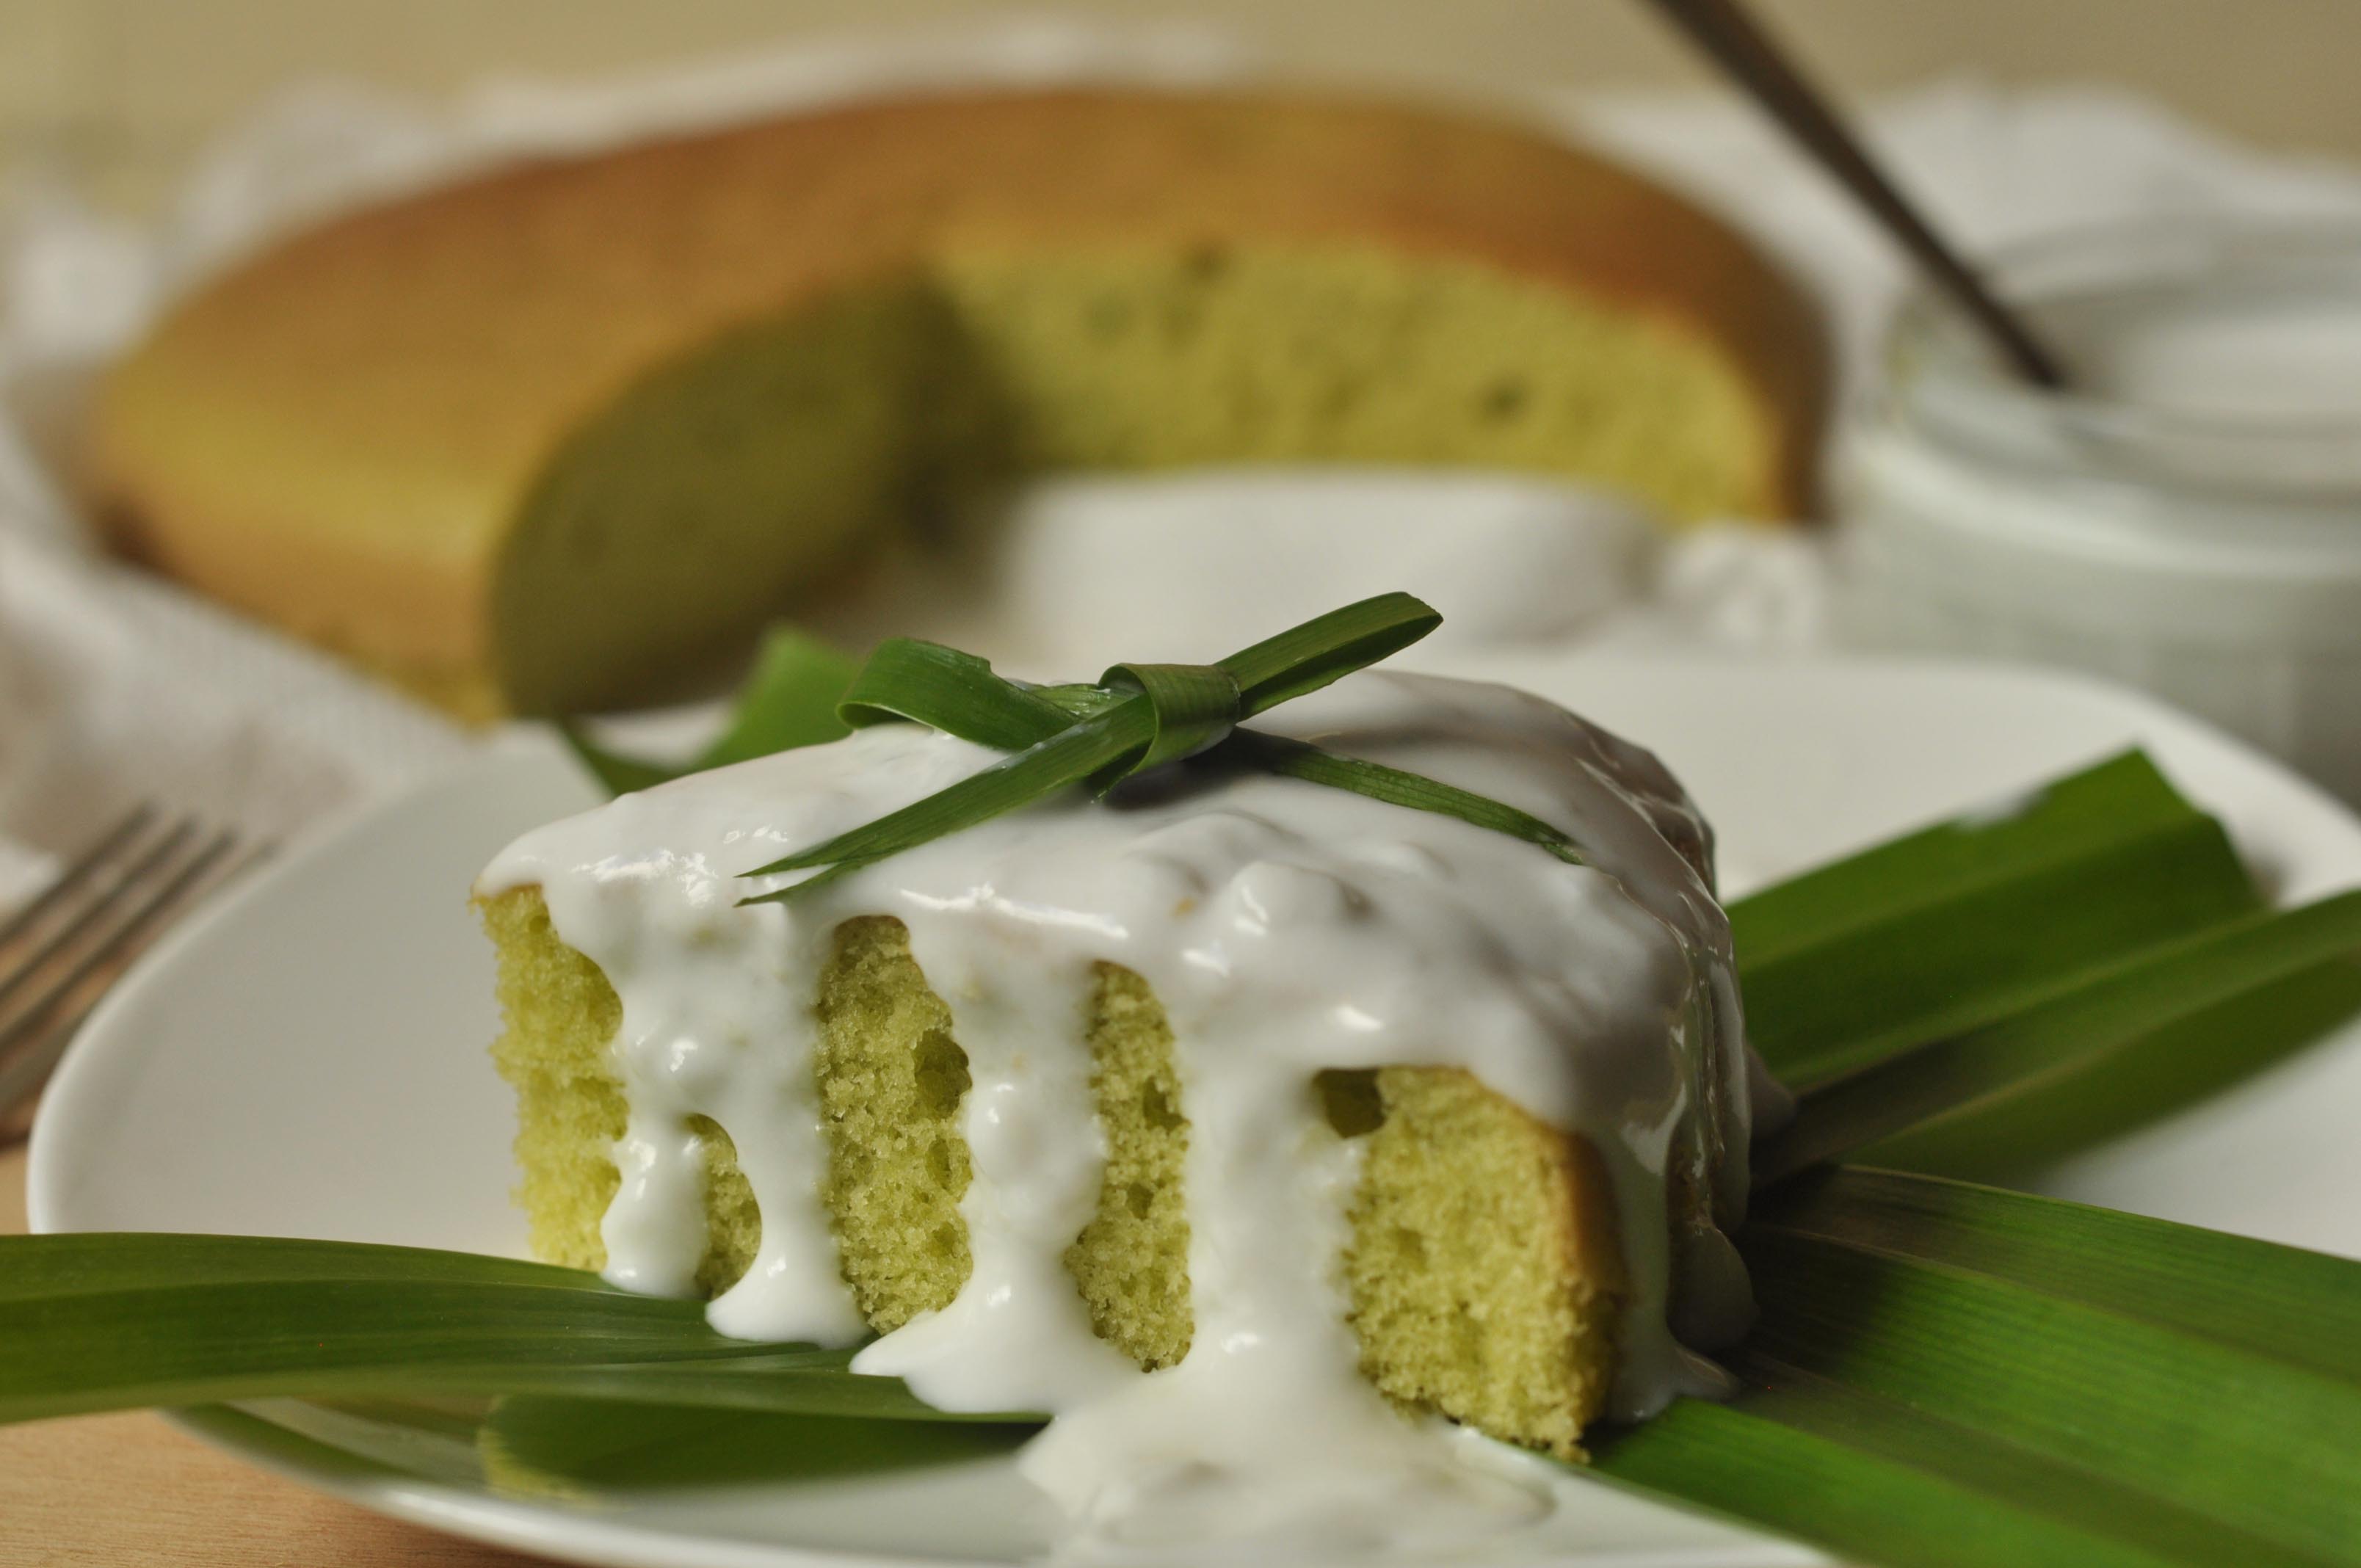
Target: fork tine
(147, 864)
(84, 866)
(23, 1072)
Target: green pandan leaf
(1871, 1485)
(2246, 965)
(2013, 1138)
(1137, 717)
(2278, 1301)
(2004, 918)
(790, 700)
(1969, 920)
(537, 1445)
(1942, 1373)
(1945, 1374)
(119, 1320)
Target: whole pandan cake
(551, 439)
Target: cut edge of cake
(1483, 1279)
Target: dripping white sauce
(1287, 928)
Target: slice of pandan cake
(1230, 1093)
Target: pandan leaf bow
(1136, 717)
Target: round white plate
(308, 1059)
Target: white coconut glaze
(1286, 929)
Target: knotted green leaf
(1192, 708)
(1137, 717)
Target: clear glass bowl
(2187, 520)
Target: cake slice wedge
(1094, 1091)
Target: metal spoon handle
(1726, 33)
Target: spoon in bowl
(1735, 42)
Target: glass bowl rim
(1924, 326)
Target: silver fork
(60, 952)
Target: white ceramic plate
(308, 1060)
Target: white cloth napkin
(114, 685)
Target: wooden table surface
(130, 1489)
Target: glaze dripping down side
(1269, 940)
